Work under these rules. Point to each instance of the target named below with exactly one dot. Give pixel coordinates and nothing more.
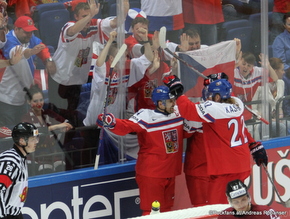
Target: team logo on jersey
(82, 57)
(148, 88)
(171, 141)
(23, 195)
(112, 95)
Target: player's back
(225, 140)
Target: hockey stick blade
(287, 203)
(113, 64)
(162, 37)
(119, 55)
(257, 115)
(162, 43)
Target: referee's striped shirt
(13, 181)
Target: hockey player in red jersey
(240, 200)
(195, 164)
(160, 136)
(224, 135)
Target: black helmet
(23, 130)
(213, 77)
(210, 78)
(236, 189)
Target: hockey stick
(287, 203)
(113, 64)
(256, 114)
(162, 39)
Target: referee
(13, 171)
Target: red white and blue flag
(214, 59)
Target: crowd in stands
(72, 86)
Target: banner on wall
(116, 196)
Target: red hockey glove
(109, 121)
(259, 153)
(175, 86)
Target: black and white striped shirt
(13, 181)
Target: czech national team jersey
(225, 139)
(73, 57)
(134, 72)
(195, 163)
(160, 138)
(244, 88)
(139, 95)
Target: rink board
(111, 191)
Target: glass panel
(68, 104)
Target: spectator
(74, 54)
(193, 15)
(12, 96)
(16, 56)
(286, 102)
(160, 137)
(49, 124)
(240, 200)
(243, 8)
(247, 77)
(13, 170)
(164, 13)
(135, 71)
(275, 91)
(134, 42)
(23, 7)
(139, 95)
(189, 40)
(280, 9)
(222, 117)
(3, 23)
(281, 44)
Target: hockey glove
(108, 121)
(175, 86)
(259, 153)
